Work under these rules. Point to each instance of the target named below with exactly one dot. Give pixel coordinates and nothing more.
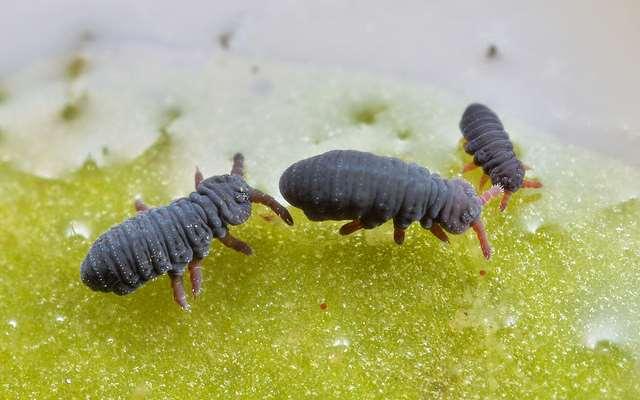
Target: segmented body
(491, 148)
(349, 184)
(165, 239)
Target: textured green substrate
(423, 320)
(554, 314)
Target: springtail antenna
(494, 191)
(238, 165)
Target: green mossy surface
(423, 320)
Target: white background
(568, 67)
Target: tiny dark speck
(224, 39)
(492, 51)
(76, 67)
(483, 272)
(404, 134)
(323, 306)
(367, 113)
(70, 112)
(269, 217)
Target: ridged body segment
(354, 185)
(165, 239)
(490, 146)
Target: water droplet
(510, 320)
(77, 228)
(602, 330)
(341, 342)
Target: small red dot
(323, 306)
(483, 272)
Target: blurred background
(568, 68)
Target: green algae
(367, 113)
(404, 134)
(413, 321)
(74, 108)
(169, 116)
(76, 67)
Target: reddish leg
(350, 227)
(483, 181)
(195, 274)
(478, 227)
(238, 165)
(236, 244)
(263, 198)
(438, 232)
(469, 167)
(140, 206)
(178, 291)
(505, 200)
(531, 184)
(198, 177)
(398, 235)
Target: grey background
(568, 67)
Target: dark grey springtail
(173, 238)
(370, 189)
(489, 144)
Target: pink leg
(398, 235)
(478, 227)
(493, 191)
(438, 232)
(350, 227)
(178, 291)
(198, 177)
(140, 206)
(195, 274)
(236, 244)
